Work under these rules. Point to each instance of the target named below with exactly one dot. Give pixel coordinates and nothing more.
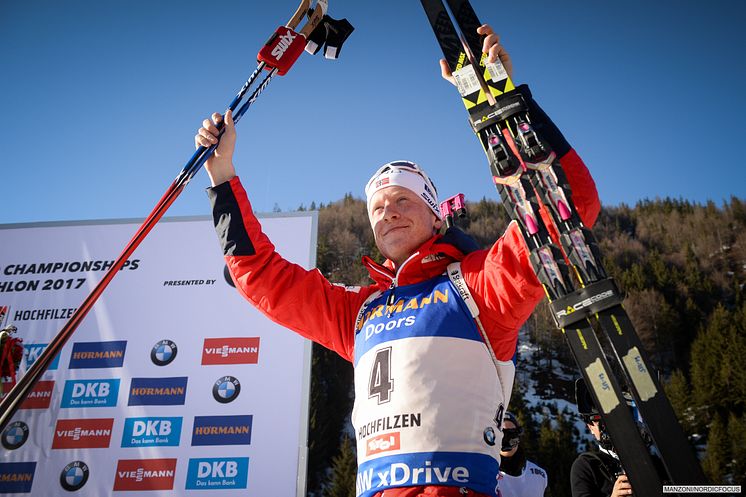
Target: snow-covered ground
(541, 396)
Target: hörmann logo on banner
(145, 474)
(230, 351)
(90, 393)
(217, 473)
(82, 433)
(32, 351)
(158, 391)
(222, 430)
(16, 477)
(151, 432)
(89, 355)
(39, 398)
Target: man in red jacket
(433, 372)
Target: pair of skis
(277, 57)
(526, 172)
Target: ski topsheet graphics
(526, 172)
(277, 56)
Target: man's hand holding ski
(490, 46)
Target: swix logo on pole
(283, 44)
(282, 49)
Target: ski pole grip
(282, 50)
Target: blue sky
(100, 100)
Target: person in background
(596, 473)
(519, 477)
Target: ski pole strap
(585, 302)
(331, 34)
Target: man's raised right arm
(301, 300)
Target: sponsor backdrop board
(173, 384)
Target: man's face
(508, 425)
(401, 222)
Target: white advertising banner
(173, 384)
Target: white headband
(407, 175)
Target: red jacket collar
(430, 260)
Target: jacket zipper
(391, 299)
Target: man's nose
(390, 211)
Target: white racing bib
(428, 395)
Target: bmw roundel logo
(489, 436)
(163, 353)
(74, 476)
(15, 435)
(226, 389)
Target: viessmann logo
(82, 433)
(158, 391)
(90, 393)
(241, 350)
(222, 430)
(88, 355)
(39, 398)
(145, 474)
(16, 477)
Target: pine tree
(715, 463)
(557, 451)
(343, 472)
(737, 436)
